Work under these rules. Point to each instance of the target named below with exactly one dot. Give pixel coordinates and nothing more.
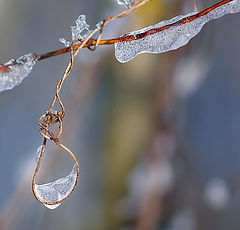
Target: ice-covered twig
(14, 71)
(142, 33)
(171, 34)
(49, 119)
(192, 23)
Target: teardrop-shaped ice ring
(58, 189)
(54, 193)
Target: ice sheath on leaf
(171, 34)
(14, 71)
(58, 189)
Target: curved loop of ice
(170, 38)
(17, 71)
(58, 189)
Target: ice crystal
(172, 38)
(57, 190)
(126, 3)
(14, 71)
(99, 24)
(79, 31)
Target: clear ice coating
(57, 190)
(79, 31)
(38, 153)
(171, 38)
(17, 70)
(126, 3)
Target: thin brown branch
(127, 38)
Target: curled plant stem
(37, 169)
(51, 118)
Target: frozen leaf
(170, 34)
(126, 3)
(14, 71)
(79, 31)
(57, 190)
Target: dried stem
(49, 119)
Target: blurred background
(157, 138)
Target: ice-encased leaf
(16, 70)
(57, 190)
(79, 31)
(171, 38)
(126, 3)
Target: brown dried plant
(56, 118)
(51, 118)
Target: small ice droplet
(53, 112)
(17, 70)
(172, 37)
(126, 3)
(79, 31)
(38, 153)
(99, 24)
(58, 189)
(65, 42)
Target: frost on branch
(126, 3)
(175, 34)
(14, 71)
(57, 190)
(79, 31)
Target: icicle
(126, 3)
(79, 31)
(14, 71)
(173, 36)
(57, 190)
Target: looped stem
(50, 118)
(37, 169)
